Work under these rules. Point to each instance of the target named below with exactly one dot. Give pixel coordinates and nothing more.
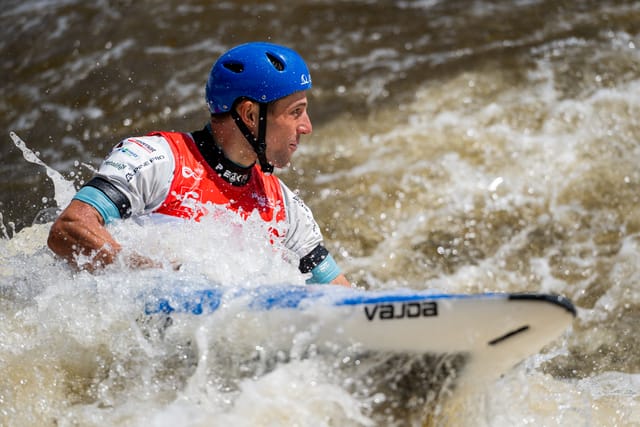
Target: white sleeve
(142, 169)
(303, 234)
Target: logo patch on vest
(231, 177)
(187, 172)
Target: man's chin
(280, 164)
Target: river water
(465, 146)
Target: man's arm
(304, 238)
(79, 230)
(120, 189)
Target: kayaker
(256, 94)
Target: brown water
(465, 146)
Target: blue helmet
(262, 72)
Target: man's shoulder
(141, 146)
(148, 142)
(133, 155)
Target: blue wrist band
(324, 272)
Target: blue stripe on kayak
(195, 302)
(274, 297)
(391, 298)
(266, 298)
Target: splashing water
(464, 146)
(64, 190)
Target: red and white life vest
(195, 184)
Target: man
(256, 96)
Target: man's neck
(229, 170)
(233, 144)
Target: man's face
(287, 120)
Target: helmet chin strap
(258, 143)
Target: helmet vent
(277, 62)
(234, 66)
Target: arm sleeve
(305, 239)
(105, 198)
(134, 179)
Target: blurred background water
(466, 146)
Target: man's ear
(248, 111)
